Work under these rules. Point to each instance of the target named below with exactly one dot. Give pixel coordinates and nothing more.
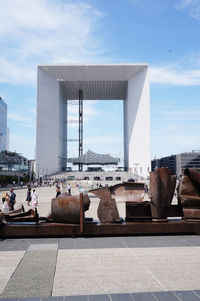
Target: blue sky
(163, 33)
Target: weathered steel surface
(73, 230)
(162, 186)
(82, 214)
(138, 211)
(189, 194)
(66, 208)
(128, 192)
(29, 216)
(124, 192)
(107, 211)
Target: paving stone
(76, 298)
(42, 247)
(143, 297)
(165, 296)
(187, 295)
(99, 298)
(10, 299)
(101, 271)
(29, 299)
(57, 298)
(154, 241)
(91, 243)
(19, 244)
(34, 275)
(121, 297)
(193, 240)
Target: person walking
(28, 196)
(69, 188)
(34, 198)
(12, 199)
(58, 192)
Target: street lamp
(19, 168)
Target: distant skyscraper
(3, 125)
(8, 139)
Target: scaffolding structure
(79, 103)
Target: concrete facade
(177, 163)
(57, 84)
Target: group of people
(9, 200)
(31, 197)
(58, 191)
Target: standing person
(28, 196)
(69, 188)
(3, 197)
(58, 191)
(6, 204)
(34, 198)
(12, 199)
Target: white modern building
(3, 125)
(56, 84)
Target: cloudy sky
(163, 33)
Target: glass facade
(3, 125)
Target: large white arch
(58, 83)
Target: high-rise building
(57, 85)
(177, 163)
(3, 125)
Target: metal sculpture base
(97, 229)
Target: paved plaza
(104, 268)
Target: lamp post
(18, 177)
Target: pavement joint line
(150, 272)
(124, 243)
(110, 297)
(132, 297)
(142, 263)
(196, 294)
(55, 271)
(155, 297)
(176, 296)
(189, 243)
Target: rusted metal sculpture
(126, 192)
(162, 186)
(66, 208)
(189, 194)
(29, 216)
(107, 211)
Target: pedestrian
(28, 196)
(6, 204)
(58, 192)
(3, 197)
(69, 188)
(12, 199)
(34, 198)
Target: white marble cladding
(127, 82)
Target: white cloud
(175, 76)
(23, 120)
(41, 31)
(193, 114)
(192, 7)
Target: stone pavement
(105, 268)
